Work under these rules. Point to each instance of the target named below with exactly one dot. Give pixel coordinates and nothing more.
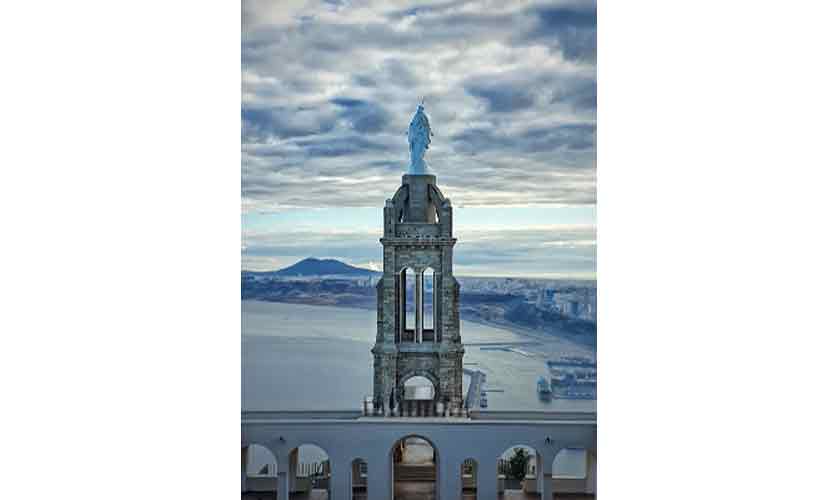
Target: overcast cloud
(329, 88)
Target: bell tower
(415, 337)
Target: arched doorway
(520, 471)
(418, 397)
(469, 479)
(414, 469)
(309, 473)
(259, 478)
(358, 479)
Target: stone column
(282, 485)
(548, 485)
(286, 467)
(436, 305)
(390, 296)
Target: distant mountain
(322, 267)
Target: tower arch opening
(418, 388)
(409, 300)
(418, 396)
(429, 304)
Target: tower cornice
(418, 242)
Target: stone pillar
(436, 305)
(548, 486)
(488, 486)
(286, 471)
(390, 295)
(282, 486)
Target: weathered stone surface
(417, 234)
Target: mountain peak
(312, 266)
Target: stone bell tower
(414, 337)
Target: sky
(329, 89)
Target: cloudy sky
(328, 91)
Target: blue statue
(419, 137)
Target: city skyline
(329, 89)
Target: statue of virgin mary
(419, 137)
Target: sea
(306, 357)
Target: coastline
(506, 371)
(531, 334)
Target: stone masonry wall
(418, 242)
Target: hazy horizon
(489, 276)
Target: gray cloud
(260, 125)
(502, 98)
(328, 91)
(364, 117)
(569, 28)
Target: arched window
(409, 304)
(417, 305)
(429, 304)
